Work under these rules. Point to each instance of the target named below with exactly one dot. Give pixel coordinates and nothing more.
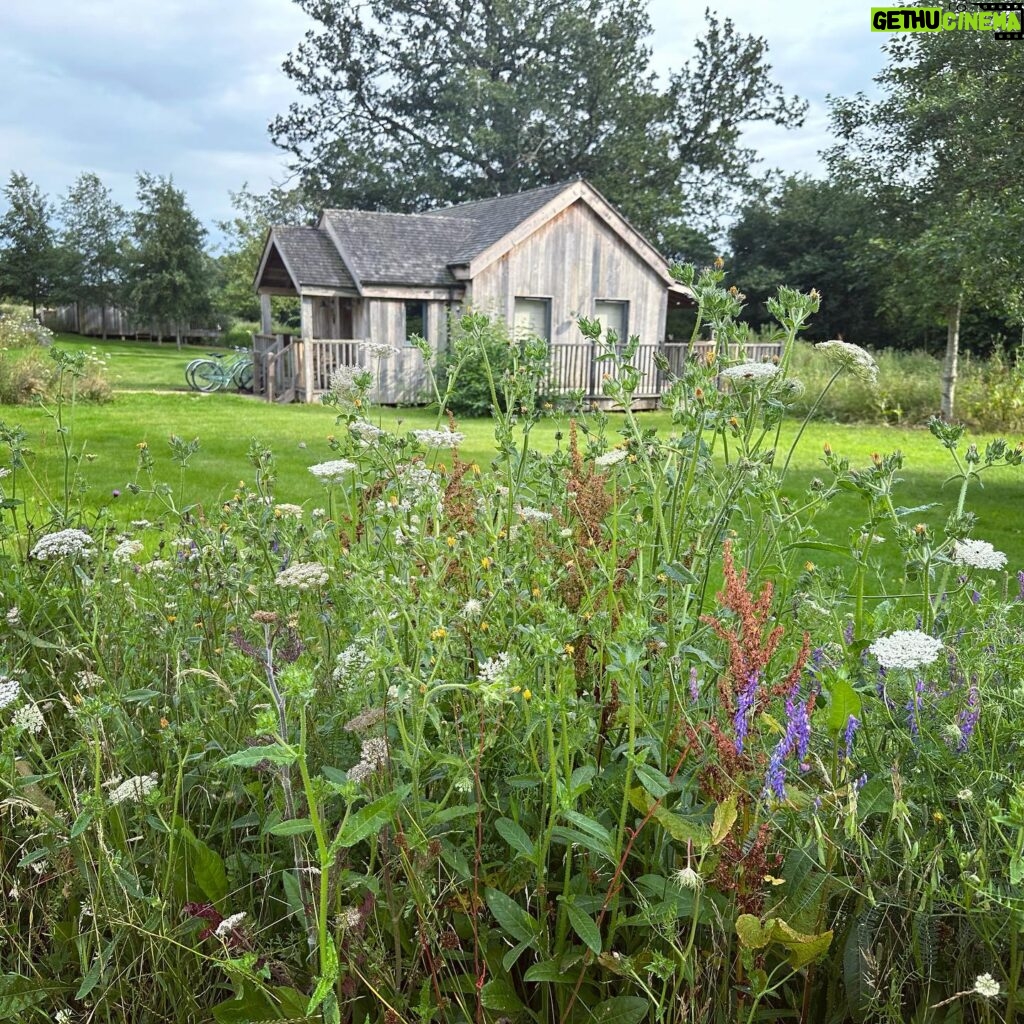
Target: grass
(104, 439)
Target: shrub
(475, 343)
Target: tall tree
(92, 241)
(408, 104)
(940, 153)
(28, 259)
(814, 234)
(245, 235)
(168, 273)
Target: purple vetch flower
(741, 720)
(975, 597)
(852, 725)
(848, 633)
(694, 689)
(860, 782)
(797, 738)
(115, 493)
(1020, 585)
(913, 709)
(967, 718)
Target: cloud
(187, 87)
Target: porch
(290, 368)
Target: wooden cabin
(539, 260)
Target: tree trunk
(103, 319)
(177, 335)
(949, 368)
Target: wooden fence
(289, 368)
(116, 322)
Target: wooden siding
(575, 261)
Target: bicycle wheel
(189, 370)
(207, 376)
(244, 375)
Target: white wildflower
(439, 438)
(754, 373)
(125, 550)
(29, 718)
(493, 670)
(611, 458)
(906, 648)
(9, 690)
(62, 544)
(287, 509)
(532, 515)
(352, 918)
(63, 1016)
(13, 617)
(4, 472)
(687, 878)
(987, 986)
(366, 432)
(332, 472)
(965, 794)
(354, 660)
(373, 758)
(318, 514)
(472, 608)
(380, 349)
(978, 554)
(229, 924)
(303, 576)
(141, 524)
(89, 680)
(134, 790)
(851, 357)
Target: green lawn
(105, 438)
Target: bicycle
(217, 371)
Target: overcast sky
(187, 87)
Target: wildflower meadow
(612, 734)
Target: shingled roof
(311, 258)
(352, 248)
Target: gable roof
(352, 248)
(310, 258)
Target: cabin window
(613, 315)
(415, 320)
(532, 318)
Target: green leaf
(548, 970)
(585, 927)
(571, 837)
(655, 782)
(843, 701)
(750, 932)
(82, 822)
(328, 976)
(207, 866)
(678, 827)
(369, 820)
(275, 753)
(724, 819)
(291, 827)
(499, 995)
(516, 837)
(279, 1004)
(18, 994)
(621, 1010)
(516, 921)
(292, 893)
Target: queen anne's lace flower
(978, 554)
(380, 350)
(125, 550)
(366, 431)
(987, 986)
(906, 648)
(303, 576)
(754, 373)
(9, 690)
(63, 544)
(532, 515)
(439, 438)
(373, 759)
(332, 472)
(229, 924)
(29, 718)
(851, 357)
(611, 458)
(134, 790)
(287, 509)
(493, 670)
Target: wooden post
(308, 311)
(265, 316)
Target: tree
(92, 241)
(408, 104)
(940, 155)
(169, 275)
(28, 261)
(814, 234)
(246, 234)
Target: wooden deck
(289, 368)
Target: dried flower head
(229, 924)
(858, 361)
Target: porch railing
(289, 368)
